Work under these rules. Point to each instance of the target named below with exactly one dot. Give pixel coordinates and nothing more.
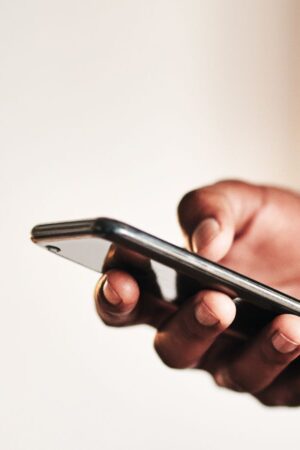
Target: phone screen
(177, 276)
(96, 253)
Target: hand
(254, 230)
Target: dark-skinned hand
(252, 229)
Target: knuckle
(197, 196)
(185, 206)
(187, 199)
(267, 400)
(194, 198)
(291, 401)
(191, 330)
(107, 317)
(279, 399)
(114, 321)
(271, 357)
(294, 401)
(106, 320)
(283, 322)
(230, 380)
(231, 182)
(169, 358)
(114, 317)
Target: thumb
(212, 216)
(211, 239)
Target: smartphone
(175, 273)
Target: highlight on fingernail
(110, 294)
(205, 316)
(205, 232)
(283, 344)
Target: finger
(260, 363)
(191, 331)
(139, 266)
(282, 395)
(116, 297)
(119, 302)
(212, 216)
(285, 391)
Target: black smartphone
(176, 273)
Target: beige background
(117, 108)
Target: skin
(254, 230)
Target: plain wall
(118, 108)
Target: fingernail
(283, 344)
(205, 232)
(110, 294)
(205, 316)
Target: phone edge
(107, 228)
